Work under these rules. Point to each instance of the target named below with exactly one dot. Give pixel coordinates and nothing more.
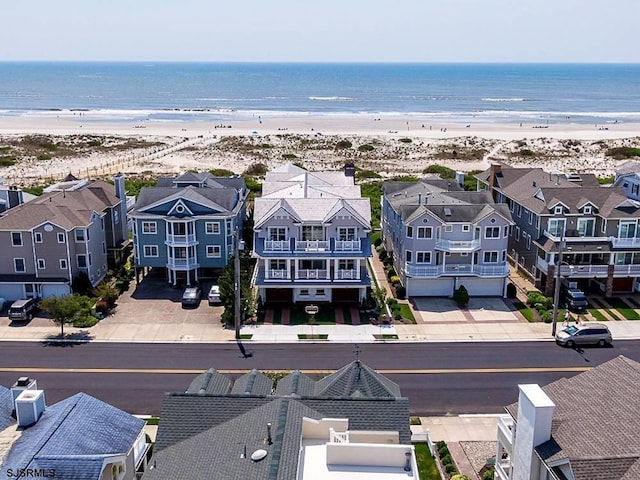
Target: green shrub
(459, 476)
(440, 444)
(289, 156)
(405, 140)
(534, 297)
(44, 156)
(221, 172)
(391, 301)
(257, 169)
(7, 161)
(366, 148)
(367, 174)
(377, 241)
(401, 291)
(397, 315)
(342, 144)
(388, 262)
(620, 153)
(547, 316)
(444, 172)
(450, 468)
(461, 296)
(489, 474)
(391, 273)
(512, 292)
(525, 152)
(446, 459)
(85, 321)
(382, 255)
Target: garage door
(11, 292)
(431, 287)
(622, 285)
(279, 295)
(483, 287)
(54, 290)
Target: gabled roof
(296, 383)
(357, 379)
(253, 383)
(595, 422)
(316, 210)
(210, 382)
(78, 429)
(222, 200)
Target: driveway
(480, 309)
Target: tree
(461, 296)
(107, 292)
(226, 283)
(66, 309)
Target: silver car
(584, 334)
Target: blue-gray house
(187, 225)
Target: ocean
(575, 93)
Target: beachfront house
(579, 428)
(441, 237)
(75, 227)
(597, 228)
(311, 237)
(628, 178)
(186, 226)
(79, 437)
(352, 424)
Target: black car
(191, 297)
(576, 300)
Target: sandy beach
(53, 144)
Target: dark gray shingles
(210, 382)
(356, 376)
(253, 383)
(6, 407)
(296, 383)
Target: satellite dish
(258, 455)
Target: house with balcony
(350, 425)
(311, 237)
(628, 178)
(579, 428)
(595, 227)
(441, 237)
(75, 226)
(186, 226)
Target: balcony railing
(313, 274)
(312, 246)
(625, 242)
(277, 246)
(573, 236)
(182, 263)
(506, 432)
(347, 275)
(586, 270)
(347, 246)
(498, 270)
(277, 275)
(189, 239)
(458, 245)
(626, 270)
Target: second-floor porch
(293, 247)
(289, 271)
(456, 269)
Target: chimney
(22, 384)
(533, 427)
(448, 186)
(30, 406)
(460, 178)
(118, 183)
(349, 170)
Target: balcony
(347, 246)
(182, 263)
(626, 270)
(350, 274)
(277, 275)
(574, 236)
(458, 245)
(506, 432)
(181, 240)
(313, 274)
(625, 242)
(577, 271)
(277, 246)
(498, 270)
(312, 246)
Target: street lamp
(556, 293)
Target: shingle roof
(218, 199)
(311, 209)
(6, 407)
(296, 383)
(210, 382)
(595, 422)
(78, 429)
(356, 379)
(253, 383)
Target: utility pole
(556, 293)
(236, 273)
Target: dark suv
(576, 300)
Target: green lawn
(525, 311)
(314, 336)
(406, 312)
(595, 313)
(426, 464)
(609, 311)
(625, 310)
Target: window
(627, 230)
(150, 250)
(425, 232)
(277, 264)
(102, 223)
(41, 264)
(504, 255)
(38, 237)
(506, 231)
(407, 256)
(409, 231)
(423, 257)
(537, 222)
(490, 257)
(346, 264)
(61, 238)
(63, 264)
(604, 225)
(530, 218)
(312, 233)
(556, 226)
(277, 234)
(228, 228)
(448, 228)
(16, 239)
(587, 210)
(80, 235)
(528, 242)
(634, 189)
(492, 232)
(116, 218)
(149, 228)
(304, 292)
(90, 260)
(517, 234)
(320, 292)
(519, 210)
(586, 227)
(82, 261)
(466, 228)
(213, 251)
(212, 228)
(558, 210)
(18, 265)
(346, 234)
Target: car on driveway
(584, 334)
(214, 295)
(576, 300)
(191, 297)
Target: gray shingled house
(352, 421)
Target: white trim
(13, 244)
(86, 260)
(214, 226)
(486, 229)
(150, 223)
(41, 264)
(428, 254)
(63, 263)
(60, 236)
(150, 252)
(84, 235)
(491, 252)
(425, 229)
(211, 251)
(37, 237)
(15, 266)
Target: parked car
(576, 300)
(584, 334)
(214, 295)
(191, 297)
(23, 309)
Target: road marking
(176, 371)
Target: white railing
(191, 262)
(457, 269)
(506, 432)
(338, 437)
(277, 246)
(542, 264)
(277, 275)
(457, 245)
(348, 246)
(584, 270)
(313, 274)
(625, 242)
(312, 245)
(573, 236)
(626, 270)
(347, 274)
(181, 239)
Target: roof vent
(23, 383)
(29, 407)
(268, 440)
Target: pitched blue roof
(75, 435)
(6, 407)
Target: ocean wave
(331, 99)
(489, 99)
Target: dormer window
(558, 210)
(587, 210)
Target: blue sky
(322, 31)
